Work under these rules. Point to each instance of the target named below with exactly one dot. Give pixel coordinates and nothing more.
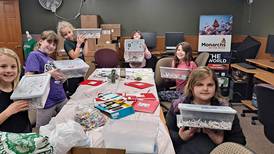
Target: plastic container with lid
(174, 73)
(72, 68)
(33, 87)
(88, 32)
(134, 50)
(205, 116)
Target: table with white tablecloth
(86, 94)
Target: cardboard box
(90, 53)
(83, 150)
(90, 21)
(61, 55)
(114, 28)
(91, 44)
(60, 46)
(105, 37)
(110, 46)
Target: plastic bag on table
(64, 136)
(89, 118)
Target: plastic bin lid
(134, 45)
(172, 68)
(31, 86)
(89, 32)
(70, 64)
(206, 108)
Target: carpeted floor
(254, 134)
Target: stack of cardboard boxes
(109, 33)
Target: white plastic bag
(64, 136)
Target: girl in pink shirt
(183, 59)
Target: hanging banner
(215, 33)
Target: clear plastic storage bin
(133, 135)
(205, 116)
(72, 68)
(174, 73)
(134, 50)
(88, 32)
(33, 87)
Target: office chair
(248, 49)
(231, 148)
(106, 58)
(159, 81)
(163, 84)
(202, 58)
(265, 97)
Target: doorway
(10, 27)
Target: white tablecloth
(86, 94)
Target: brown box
(82, 150)
(60, 45)
(105, 37)
(114, 28)
(110, 46)
(91, 44)
(90, 21)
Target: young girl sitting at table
(147, 55)
(182, 59)
(13, 114)
(201, 88)
(39, 62)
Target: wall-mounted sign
(215, 33)
(219, 58)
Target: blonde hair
(10, 53)
(50, 36)
(63, 24)
(197, 75)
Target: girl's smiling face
(47, 46)
(137, 36)
(67, 33)
(180, 53)
(8, 69)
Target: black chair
(248, 49)
(265, 97)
